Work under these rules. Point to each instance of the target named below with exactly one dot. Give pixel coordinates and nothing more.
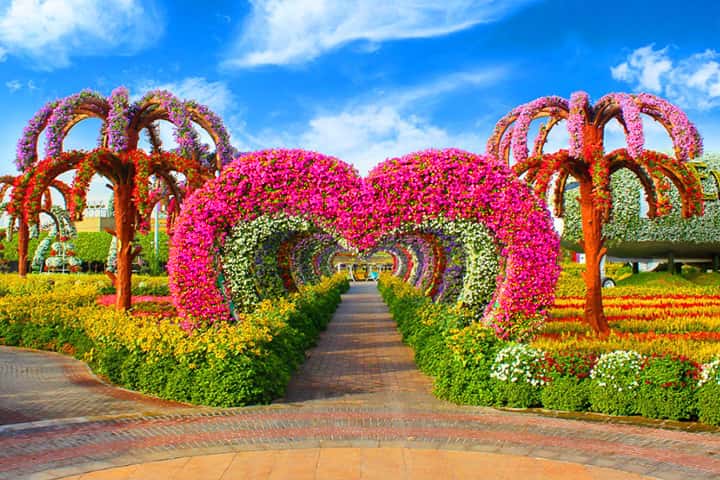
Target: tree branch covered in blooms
(586, 158)
(122, 123)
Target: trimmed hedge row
(471, 366)
(225, 365)
(94, 246)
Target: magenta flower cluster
(455, 184)
(452, 184)
(294, 182)
(512, 130)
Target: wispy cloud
(50, 32)
(16, 85)
(368, 130)
(214, 94)
(13, 85)
(280, 32)
(693, 82)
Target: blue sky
(361, 80)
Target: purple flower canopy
(123, 122)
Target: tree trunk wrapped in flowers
(587, 162)
(131, 172)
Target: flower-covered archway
(288, 196)
(449, 186)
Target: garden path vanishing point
(358, 408)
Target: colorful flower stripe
(695, 349)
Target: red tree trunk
(125, 231)
(23, 239)
(594, 251)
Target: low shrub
(667, 388)
(457, 352)
(224, 364)
(708, 394)
(518, 372)
(567, 393)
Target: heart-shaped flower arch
(450, 184)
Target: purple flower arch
(123, 122)
(403, 191)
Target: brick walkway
(355, 418)
(44, 385)
(361, 356)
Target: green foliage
(10, 250)
(455, 351)
(58, 312)
(708, 403)
(626, 224)
(567, 393)
(92, 246)
(615, 382)
(667, 388)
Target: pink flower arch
(399, 192)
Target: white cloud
(215, 95)
(693, 82)
(366, 132)
(13, 85)
(279, 32)
(51, 31)
(17, 85)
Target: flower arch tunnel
(460, 226)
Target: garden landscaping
(145, 349)
(474, 283)
(659, 362)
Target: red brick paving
(45, 385)
(359, 389)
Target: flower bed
(470, 365)
(225, 364)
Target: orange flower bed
(682, 323)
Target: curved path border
(378, 415)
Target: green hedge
(62, 316)
(94, 246)
(470, 365)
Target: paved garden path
(357, 409)
(38, 385)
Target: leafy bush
(518, 370)
(567, 393)
(667, 388)
(615, 382)
(457, 352)
(224, 364)
(708, 394)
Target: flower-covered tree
(131, 172)
(591, 166)
(8, 182)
